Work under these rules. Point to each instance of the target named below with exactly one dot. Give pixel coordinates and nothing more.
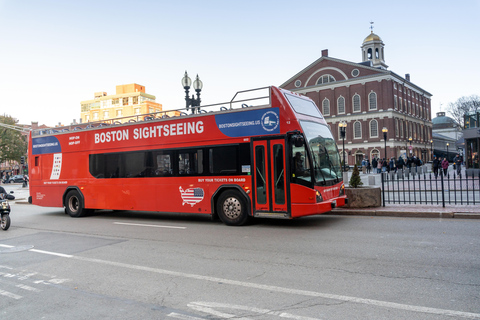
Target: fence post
(443, 190)
(383, 189)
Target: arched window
(374, 154)
(325, 79)
(356, 103)
(372, 101)
(357, 130)
(341, 104)
(373, 128)
(326, 107)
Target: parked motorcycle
(5, 210)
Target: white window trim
(323, 107)
(354, 131)
(370, 128)
(359, 103)
(369, 104)
(338, 108)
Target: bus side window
(223, 160)
(190, 162)
(164, 165)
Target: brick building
(368, 97)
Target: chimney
(407, 77)
(325, 53)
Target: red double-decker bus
(271, 155)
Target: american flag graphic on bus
(191, 196)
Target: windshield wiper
(330, 164)
(317, 167)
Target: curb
(385, 212)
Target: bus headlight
(342, 190)
(318, 196)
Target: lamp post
(197, 85)
(410, 139)
(343, 127)
(447, 149)
(431, 149)
(385, 130)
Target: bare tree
(464, 105)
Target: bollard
(345, 178)
(399, 174)
(371, 180)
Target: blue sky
(54, 54)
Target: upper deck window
(303, 106)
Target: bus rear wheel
(74, 205)
(231, 208)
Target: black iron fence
(427, 188)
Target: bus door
(270, 183)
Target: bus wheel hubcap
(232, 208)
(73, 204)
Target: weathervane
(371, 25)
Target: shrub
(355, 180)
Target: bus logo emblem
(270, 121)
(191, 196)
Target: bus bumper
(308, 209)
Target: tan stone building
(129, 100)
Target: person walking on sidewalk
(444, 166)
(374, 165)
(457, 161)
(435, 165)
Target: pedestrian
(379, 165)
(400, 163)
(393, 167)
(369, 166)
(445, 166)
(374, 164)
(435, 165)
(457, 161)
(384, 165)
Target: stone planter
(363, 197)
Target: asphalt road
(118, 265)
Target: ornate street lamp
(343, 127)
(410, 139)
(385, 130)
(192, 102)
(447, 149)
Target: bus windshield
(304, 106)
(325, 157)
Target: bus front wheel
(232, 209)
(74, 204)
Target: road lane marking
(148, 225)
(208, 307)
(10, 295)
(28, 288)
(251, 285)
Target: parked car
(16, 179)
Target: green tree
(13, 144)
(462, 106)
(355, 179)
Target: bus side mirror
(298, 141)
